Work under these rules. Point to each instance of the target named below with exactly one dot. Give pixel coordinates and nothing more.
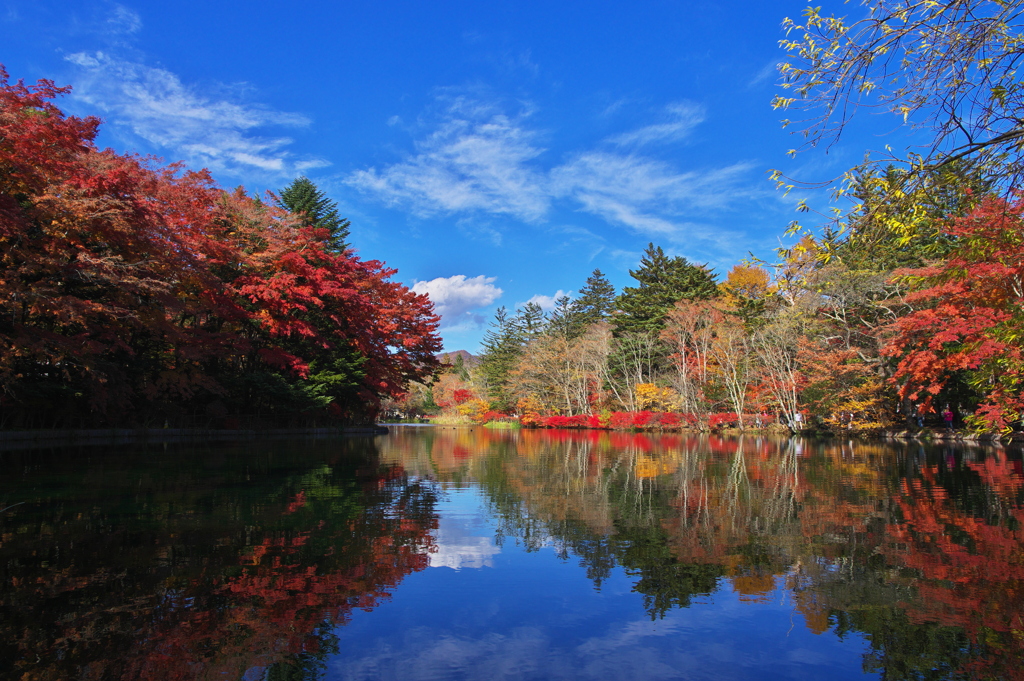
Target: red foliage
(969, 313)
(462, 395)
(564, 421)
(531, 419)
(294, 288)
(129, 281)
(670, 420)
(298, 502)
(724, 420)
(642, 418)
(620, 420)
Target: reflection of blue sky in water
(535, 616)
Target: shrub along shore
(718, 423)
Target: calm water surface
(443, 553)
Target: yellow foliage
(529, 405)
(650, 397)
(861, 407)
(474, 409)
(745, 283)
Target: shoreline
(33, 439)
(924, 436)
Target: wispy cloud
(573, 238)
(478, 159)
(517, 62)
(679, 120)
(769, 71)
(479, 229)
(644, 194)
(455, 298)
(547, 303)
(122, 20)
(155, 105)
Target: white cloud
(457, 296)
(457, 551)
(478, 159)
(680, 119)
(547, 303)
(614, 108)
(631, 633)
(155, 105)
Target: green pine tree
(663, 281)
(531, 322)
(502, 345)
(304, 199)
(459, 368)
(596, 302)
(564, 321)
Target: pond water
(456, 553)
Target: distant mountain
(468, 359)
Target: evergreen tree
(502, 345)
(531, 322)
(564, 321)
(570, 318)
(459, 368)
(663, 281)
(596, 301)
(304, 199)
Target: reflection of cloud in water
(424, 653)
(697, 646)
(456, 550)
(522, 653)
(631, 633)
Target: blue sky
(494, 153)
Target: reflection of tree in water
(606, 505)
(903, 649)
(200, 563)
(958, 528)
(307, 665)
(921, 551)
(514, 520)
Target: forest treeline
(887, 322)
(904, 309)
(136, 293)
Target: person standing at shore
(947, 416)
